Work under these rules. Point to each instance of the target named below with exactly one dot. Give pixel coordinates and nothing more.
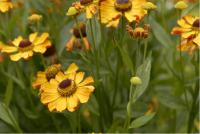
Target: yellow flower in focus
(35, 18)
(46, 76)
(5, 5)
(87, 6)
(76, 41)
(66, 91)
(112, 10)
(189, 32)
(24, 48)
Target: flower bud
(35, 18)
(149, 6)
(72, 11)
(136, 80)
(181, 5)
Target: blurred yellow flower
(35, 18)
(90, 7)
(24, 48)
(5, 5)
(67, 90)
(112, 10)
(189, 31)
(181, 5)
(138, 32)
(76, 41)
(45, 76)
(149, 6)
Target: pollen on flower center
(51, 72)
(79, 29)
(66, 87)
(24, 43)
(196, 23)
(123, 5)
(85, 2)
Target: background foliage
(20, 106)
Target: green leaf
(160, 33)
(144, 73)
(9, 92)
(7, 116)
(141, 121)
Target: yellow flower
(24, 48)
(76, 41)
(112, 10)
(139, 32)
(66, 91)
(35, 18)
(189, 45)
(87, 6)
(189, 31)
(5, 5)
(46, 76)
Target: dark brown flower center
(24, 43)
(79, 30)
(196, 23)
(65, 83)
(123, 5)
(85, 2)
(51, 72)
(66, 88)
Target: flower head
(5, 5)
(66, 91)
(35, 18)
(24, 48)
(46, 76)
(189, 32)
(139, 32)
(79, 37)
(181, 5)
(112, 10)
(87, 6)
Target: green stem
(194, 108)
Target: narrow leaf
(141, 121)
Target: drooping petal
(16, 57)
(61, 104)
(17, 41)
(9, 49)
(72, 68)
(87, 81)
(33, 36)
(83, 94)
(197, 40)
(79, 77)
(41, 39)
(72, 103)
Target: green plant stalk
(194, 107)
(95, 52)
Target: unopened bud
(181, 5)
(149, 6)
(72, 11)
(136, 80)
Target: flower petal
(17, 41)
(79, 77)
(87, 81)
(72, 68)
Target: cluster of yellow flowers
(189, 30)
(61, 90)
